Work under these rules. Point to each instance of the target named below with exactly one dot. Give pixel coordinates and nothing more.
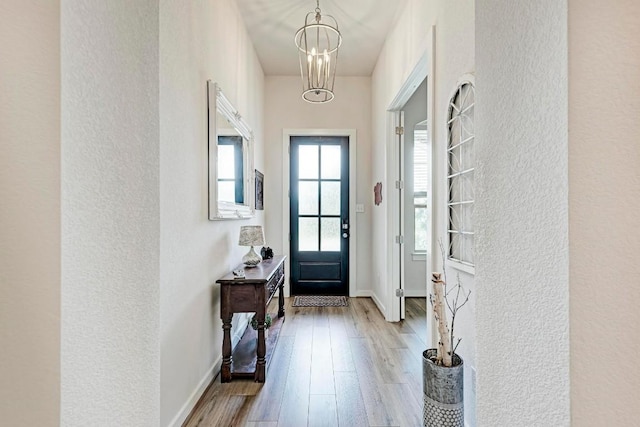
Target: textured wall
(604, 190)
(29, 212)
(522, 242)
(198, 41)
(110, 206)
(351, 109)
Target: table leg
(262, 348)
(281, 300)
(225, 372)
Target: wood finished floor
(333, 366)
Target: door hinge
(399, 185)
(399, 130)
(400, 240)
(399, 292)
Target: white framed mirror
(230, 159)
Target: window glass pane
(307, 234)
(466, 251)
(330, 193)
(226, 162)
(330, 237)
(454, 217)
(454, 246)
(227, 191)
(420, 161)
(308, 162)
(466, 220)
(454, 161)
(467, 186)
(454, 189)
(330, 163)
(420, 237)
(308, 197)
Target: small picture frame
(259, 190)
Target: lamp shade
(251, 235)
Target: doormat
(319, 301)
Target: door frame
(425, 68)
(353, 219)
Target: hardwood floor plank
(269, 400)
(261, 424)
(340, 349)
(296, 398)
(321, 362)
(322, 410)
(375, 404)
(351, 409)
(402, 402)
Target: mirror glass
(230, 159)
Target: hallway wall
(111, 218)
(604, 185)
(351, 109)
(30, 212)
(198, 41)
(522, 242)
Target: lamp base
(251, 259)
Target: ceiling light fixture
(318, 42)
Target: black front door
(319, 208)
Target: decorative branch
(443, 295)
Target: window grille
(460, 174)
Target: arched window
(460, 174)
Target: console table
(247, 295)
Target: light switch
(359, 207)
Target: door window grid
(319, 228)
(460, 174)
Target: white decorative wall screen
(460, 174)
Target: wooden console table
(248, 295)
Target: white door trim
(286, 136)
(425, 68)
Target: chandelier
(318, 42)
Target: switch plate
(359, 207)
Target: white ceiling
(364, 25)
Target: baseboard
(381, 306)
(363, 294)
(211, 373)
(191, 402)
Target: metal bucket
(443, 392)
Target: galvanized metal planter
(443, 392)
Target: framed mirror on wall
(230, 159)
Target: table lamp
(251, 235)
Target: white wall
(415, 271)
(110, 205)
(30, 212)
(198, 41)
(522, 241)
(351, 109)
(604, 238)
(454, 57)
